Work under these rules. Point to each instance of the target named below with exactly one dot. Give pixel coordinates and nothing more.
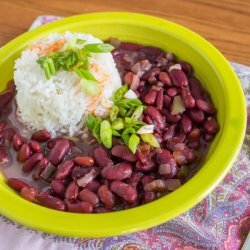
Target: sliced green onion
(137, 113)
(128, 120)
(119, 93)
(99, 47)
(47, 70)
(115, 133)
(85, 74)
(113, 113)
(91, 88)
(90, 122)
(106, 134)
(118, 124)
(133, 143)
(51, 66)
(80, 41)
(151, 140)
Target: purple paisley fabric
(220, 221)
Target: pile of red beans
(109, 180)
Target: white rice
(59, 104)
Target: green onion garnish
(99, 47)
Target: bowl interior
(209, 66)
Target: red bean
(101, 157)
(58, 188)
(164, 78)
(5, 98)
(8, 135)
(16, 184)
(40, 166)
(169, 133)
(79, 172)
(179, 157)
(84, 161)
(147, 167)
(93, 186)
(167, 101)
(163, 156)
(79, 207)
(178, 77)
(194, 134)
(156, 116)
(205, 106)
(72, 191)
(143, 152)
(41, 136)
(159, 100)
(193, 144)
(208, 137)
(150, 97)
(49, 201)
(4, 157)
(211, 126)
(125, 191)
(24, 153)
(188, 100)
(128, 78)
(64, 170)
(119, 171)
(135, 82)
(171, 118)
(186, 67)
(135, 178)
(186, 124)
(195, 88)
(58, 152)
(123, 153)
(29, 194)
(35, 146)
(18, 141)
(106, 196)
(197, 115)
(151, 73)
(172, 92)
(89, 196)
(31, 162)
(149, 196)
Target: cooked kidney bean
(120, 171)
(58, 188)
(79, 172)
(47, 172)
(3, 125)
(186, 124)
(93, 185)
(24, 153)
(49, 201)
(29, 194)
(58, 152)
(35, 146)
(72, 191)
(89, 196)
(197, 115)
(84, 161)
(106, 196)
(16, 184)
(31, 162)
(102, 210)
(188, 100)
(150, 97)
(207, 107)
(124, 190)
(18, 141)
(101, 157)
(79, 206)
(143, 152)
(64, 170)
(156, 116)
(41, 136)
(123, 152)
(145, 167)
(211, 126)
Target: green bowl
(210, 67)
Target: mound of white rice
(59, 104)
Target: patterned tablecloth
(221, 221)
